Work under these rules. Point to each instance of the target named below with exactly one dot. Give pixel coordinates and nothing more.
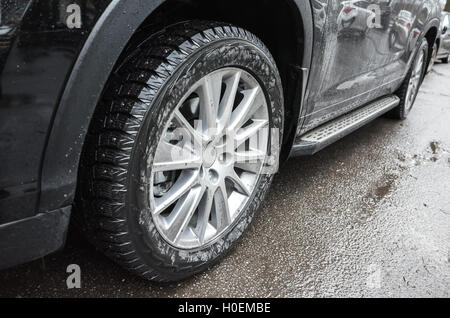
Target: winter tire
(165, 191)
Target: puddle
(376, 195)
(383, 190)
(386, 185)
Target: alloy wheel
(209, 159)
(414, 81)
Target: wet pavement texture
(368, 216)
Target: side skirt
(330, 132)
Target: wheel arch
(114, 31)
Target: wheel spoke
(249, 156)
(183, 212)
(253, 99)
(250, 161)
(419, 65)
(239, 184)
(170, 157)
(228, 100)
(186, 164)
(222, 208)
(184, 183)
(209, 100)
(194, 136)
(246, 133)
(204, 209)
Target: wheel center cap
(209, 156)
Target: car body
(53, 73)
(402, 27)
(444, 47)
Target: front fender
(102, 49)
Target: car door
(352, 48)
(407, 22)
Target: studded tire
(111, 205)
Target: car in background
(441, 48)
(444, 49)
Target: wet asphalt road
(368, 216)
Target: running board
(328, 133)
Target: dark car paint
(350, 69)
(52, 78)
(41, 52)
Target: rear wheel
(445, 60)
(181, 150)
(410, 87)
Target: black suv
(156, 127)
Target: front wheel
(182, 149)
(410, 87)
